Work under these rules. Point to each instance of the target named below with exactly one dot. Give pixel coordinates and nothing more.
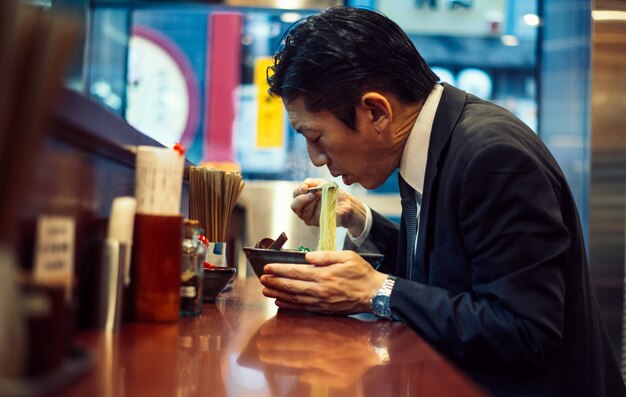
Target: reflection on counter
(241, 346)
(343, 356)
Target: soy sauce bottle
(191, 271)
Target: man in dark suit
(488, 263)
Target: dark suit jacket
(501, 285)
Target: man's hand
(335, 282)
(350, 211)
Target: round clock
(162, 93)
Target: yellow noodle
(328, 217)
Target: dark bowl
(215, 280)
(259, 257)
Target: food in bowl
(259, 257)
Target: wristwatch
(381, 302)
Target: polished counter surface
(242, 346)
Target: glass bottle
(191, 271)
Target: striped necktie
(410, 200)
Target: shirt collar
(415, 153)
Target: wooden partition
(86, 159)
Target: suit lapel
(448, 112)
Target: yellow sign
(269, 132)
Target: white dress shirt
(414, 155)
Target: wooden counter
(241, 346)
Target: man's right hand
(350, 211)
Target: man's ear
(377, 110)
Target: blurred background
(194, 71)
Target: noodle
(328, 217)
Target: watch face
(381, 306)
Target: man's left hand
(334, 282)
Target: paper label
(158, 181)
(188, 292)
(54, 250)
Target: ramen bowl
(259, 257)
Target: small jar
(191, 272)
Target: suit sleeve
(382, 239)
(516, 244)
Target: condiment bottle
(191, 271)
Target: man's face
(356, 155)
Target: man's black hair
(332, 58)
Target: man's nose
(317, 156)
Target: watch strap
(388, 285)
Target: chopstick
(319, 187)
(213, 195)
